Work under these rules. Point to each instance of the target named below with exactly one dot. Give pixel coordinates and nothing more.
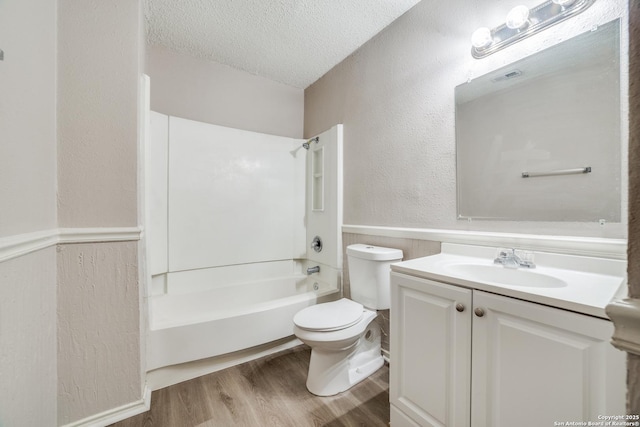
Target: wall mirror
(539, 140)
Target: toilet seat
(330, 316)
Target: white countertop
(577, 283)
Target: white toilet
(343, 335)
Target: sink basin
(570, 282)
(505, 276)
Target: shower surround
(230, 225)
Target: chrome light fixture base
(540, 17)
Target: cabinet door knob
(479, 312)
(460, 307)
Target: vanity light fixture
(518, 18)
(481, 38)
(522, 22)
(564, 3)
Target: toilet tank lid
(374, 253)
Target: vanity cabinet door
(534, 365)
(431, 353)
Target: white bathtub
(207, 323)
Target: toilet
(343, 335)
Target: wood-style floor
(266, 392)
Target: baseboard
(174, 374)
(23, 244)
(585, 246)
(116, 414)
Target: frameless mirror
(539, 140)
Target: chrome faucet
(509, 259)
(312, 270)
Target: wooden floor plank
(266, 392)
(221, 396)
(262, 376)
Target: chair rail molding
(23, 244)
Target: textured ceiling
(290, 41)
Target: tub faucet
(312, 270)
(509, 259)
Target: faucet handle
(502, 252)
(526, 258)
(514, 258)
(501, 256)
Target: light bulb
(518, 17)
(564, 3)
(481, 38)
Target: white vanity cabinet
(468, 358)
(430, 367)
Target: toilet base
(332, 372)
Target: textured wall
(28, 340)
(395, 97)
(27, 116)
(634, 152)
(28, 204)
(195, 89)
(411, 248)
(634, 191)
(99, 345)
(68, 116)
(97, 112)
(98, 332)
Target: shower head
(307, 144)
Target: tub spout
(312, 270)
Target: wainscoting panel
(411, 248)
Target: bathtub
(191, 326)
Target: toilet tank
(369, 274)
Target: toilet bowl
(344, 337)
(342, 355)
